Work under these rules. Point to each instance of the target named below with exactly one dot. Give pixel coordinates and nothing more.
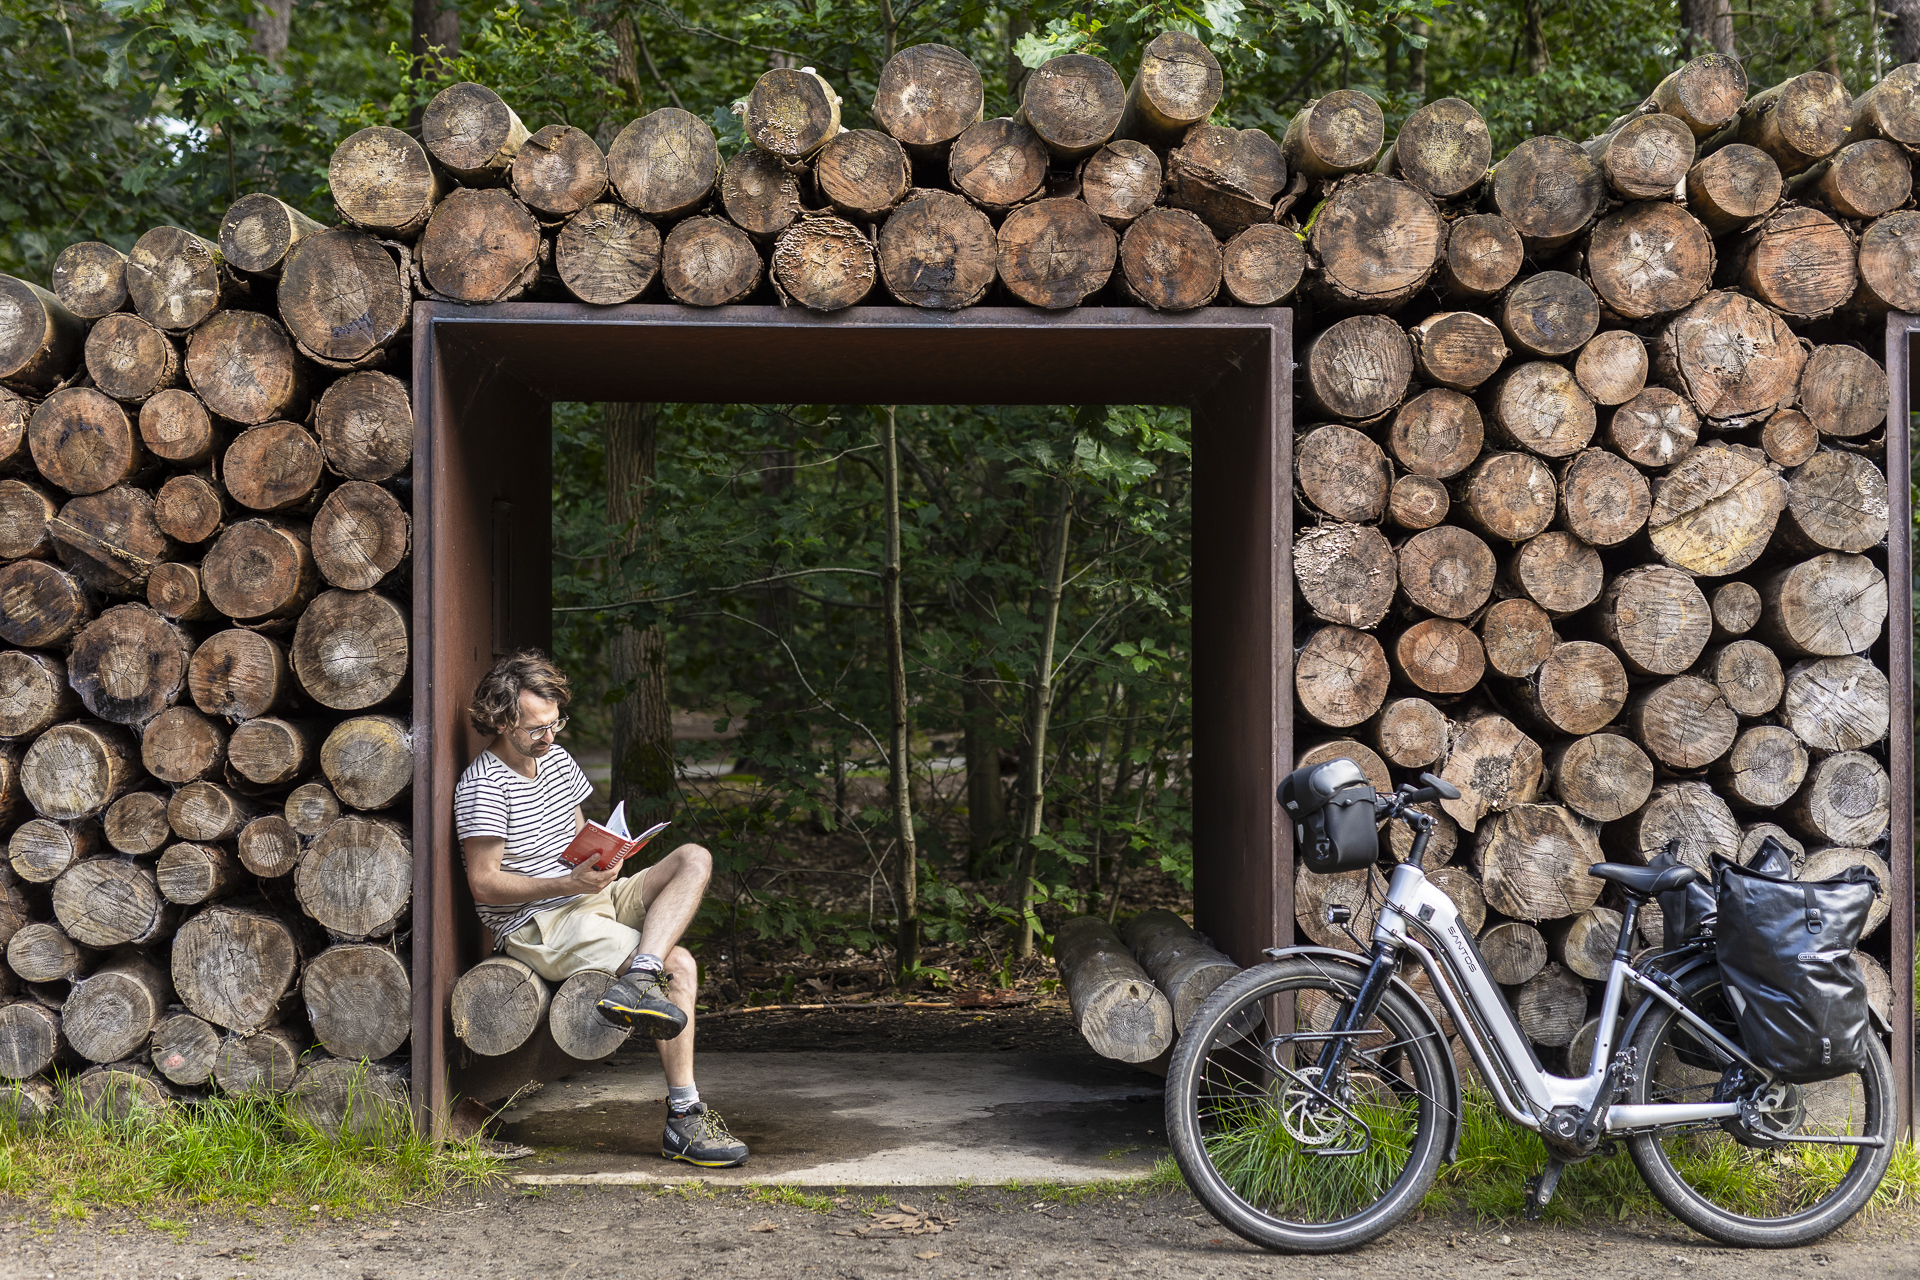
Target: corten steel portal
(1896, 650)
(484, 378)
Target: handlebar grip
(1438, 788)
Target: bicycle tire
(1234, 1121)
(1695, 1171)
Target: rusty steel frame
(1903, 342)
(484, 378)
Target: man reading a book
(517, 808)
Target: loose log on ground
(1517, 636)
(1837, 704)
(342, 298)
(111, 902)
(184, 1049)
(1862, 180)
(1655, 428)
(365, 425)
(271, 752)
(1457, 349)
(1689, 813)
(382, 182)
(1830, 605)
(1121, 181)
(357, 878)
(1705, 93)
(190, 508)
(1843, 391)
(1360, 892)
(497, 1005)
(1889, 263)
(792, 113)
(1551, 1006)
(1585, 943)
(1436, 434)
(1730, 188)
(1074, 103)
(1439, 657)
(34, 696)
(365, 1101)
(350, 650)
(1603, 776)
(265, 1062)
(175, 279)
(76, 770)
(1443, 148)
(1578, 690)
(863, 173)
(190, 873)
(243, 367)
(1346, 572)
(30, 1040)
(1789, 438)
(1340, 677)
(1650, 259)
(111, 540)
(1170, 261)
(1539, 406)
(1828, 864)
(1550, 313)
(1514, 951)
(997, 163)
(1799, 262)
(1506, 495)
(113, 1011)
(360, 535)
(1495, 767)
(1656, 618)
(1891, 108)
(1533, 862)
(239, 674)
(1646, 157)
(1763, 770)
(1053, 253)
(1462, 887)
(44, 953)
(1748, 676)
(1684, 723)
(607, 254)
(207, 811)
(1736, 607)
(1183, 965)
(576, 1028)
(182, 745)
(559, 171)
(260, 571)
(129, 664)
(1730, 356)
(311, 809)
(1549, 189)
(1410, 732)
(83, 441)
(1342, 473)
(1262, 265)
(1338, 134)
(368, 760)
(131, 360)
(233, 965)
(90, 279)
(174, 592)
(471, 132)
(1177, 86)
(1446, 571)
(1355, 368)
(359, 1000)
(1604, 500)
(40, 605)
(136, 823)
(1417, 502)
(927, 95)
(1484, 253)
(1799, 121)
(259, 232)
(1377, 242)
(1847, 800)
(40, 340)
(479, 247)
(269, 846)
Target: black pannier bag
(1332, 809)
(1786, 958)
(1688, 913)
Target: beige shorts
(594, 931)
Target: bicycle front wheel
(1758, 1188)
(1282, 1157)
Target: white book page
(617, 821)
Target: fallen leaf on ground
(765, 1226)
(928, 1256)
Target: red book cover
(605, 847)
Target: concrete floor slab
(855, 1119)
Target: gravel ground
(617, 1232)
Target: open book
(608, 846)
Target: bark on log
(1799, 121)
(131, 360)
(1799, 262)
(1730, 356)
(1684, 723)
(269, 846)
(1439, 657)
(1748, 676)
(190, 874)
(1539, 406)
(1549, 189)
(607, 254)
(471, 132)
(181, 745)
(365, 425)
(1338, 134)
(41, 607)
(271, 752)
(1533, 861)
(1517, 635)
(1604, 500)
(111, 540)
(1551, 1006)
(1830, 605)
(1462, 887)
(1550, 313)
(1656, 618)
(382, 182)
(1847, 800)
(1074, 103)
(479, 247)
(184, 1049)
(1889, 263)
(136, 823)
(497, 1005)
(357, 878)
(664, 165)
(311, 809)
(1585, 943)
(34, 696)
(996, 163)
(1651, 259)
(1837, 704)
(1825, 864)
(76, 770)
(927, 95)
(190, 509)
(1715, 511)
(1788, 438)
(1377, 241)
(259, 232)
(174, 592)
(1346, 572)
(1417, 502)
(1578, 690)
(260, 571)
(1727, 190)
(1484, 253)
(243, 367)
(1843, 391)
(1763, 770)
(1443, 148)
(1690, 813)
(1514, 951)
(863, 173)
(234, 965)
(368, 761)
(112, 902)
(576, 1028)
(239, 674)
(364, 1101)
(1437, 434)
(1862, 180)
(342, 298)
(350, 650)
(112, 1012)
(1355, 368)
(83, 441)
(30, 1040)
(1183, 965)
(360, 535)
(792, 112)
(559, 171)
(1736, 607)
(1122, 180)
(1646, 157)
(1054, 253)
(129, 664)
(1603, 777)
(1457, 349)
(1655, 429)
(1706, 93)
(90, 279)
(1891, 108)
(1510, 496)
(265, 1062)
(359, 1000)
(1343, 473)
(1261, 266)
(1340, 677)
(207, 811)
(1410, 732)
(1495, 767)
(175, 279)
(1170, 261)
(1446, 571)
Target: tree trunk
(1436, 434)
(90, 280)
(136, 823)
(1116, 1006)
(1533, 15)
(357, 878)
(190, 874)
(368, 761)
(479, 247)
(937, 251)
(184, 1049)
(1338, 134)
(1645, 158)
(263, 1062)
(1514, 951)
(1377, 242)
(1357, 368)
(863, 173)
(1443, 148)
(1495, 767)
(643, 764)
(181, 745)
(607, 254)
(1843, 392)
(83, 441)
(1410, 732)
(1656, 618)
(383, 183)
(1170, 261)
(190, 509)
(576, 1028)
(559, 171)
(1650, 259)
(131, 360)
(269, 846)
(1340, 677)
(709, 262)
(365, 425)
(1484, 253)
(1550, 1006)
(1039, 711)
(1260, 267)
(1730, 188)
(1602, 777)
(1182, 963)
(1585, 943)
(1533, 862)
(1862, 180)
(664, 165)
(113, 1011)
(927, 95)
(1891, 109)
(1177, 86)
(1799, 121)
(1055, 253)
(360, 535)
(1539, 406)
(360, 1001)
(34, 696)
(1550, 314)
(1655, 428)
(825, 264)
(1764, 769)
(129, 664)
(272, 753)
(1830, 605)
(342, 298)
(1508, 496)
(1889, 263)
(900, 734)
(207, 812)
(175, 279)
(1462, 887)
(1684, 723)
(1736, 607)
(351, 649)
(76, 770)
(1439, 657)
(497, 1006)
(1457, 349)
(1847, 800)
(243, 367)
(1604, 500)
(1122, 180)
(259, 232)
(239, 674)
(472, 133)
(1446, 571)
(1517, 636)
(1549, 189)
(1442, 846)
(111, 902)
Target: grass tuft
(792, 1197)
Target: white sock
(682, 1096)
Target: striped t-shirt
(535, 815)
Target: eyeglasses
(545, 730)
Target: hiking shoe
(638, 1000)
(700, 1136)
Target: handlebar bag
(1688, 913)
(1786, 959)
(1332, 807)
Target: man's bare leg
(671, 893)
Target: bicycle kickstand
(1540, 1189)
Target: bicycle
(1312, 1099)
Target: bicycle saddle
(1644, 882)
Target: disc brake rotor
(1307, 1116)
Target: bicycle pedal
(1540, 1189)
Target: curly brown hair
(496, 702)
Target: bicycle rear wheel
(1289, 1161)
(1764, 1189)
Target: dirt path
(574, 1234)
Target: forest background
(729, 560)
